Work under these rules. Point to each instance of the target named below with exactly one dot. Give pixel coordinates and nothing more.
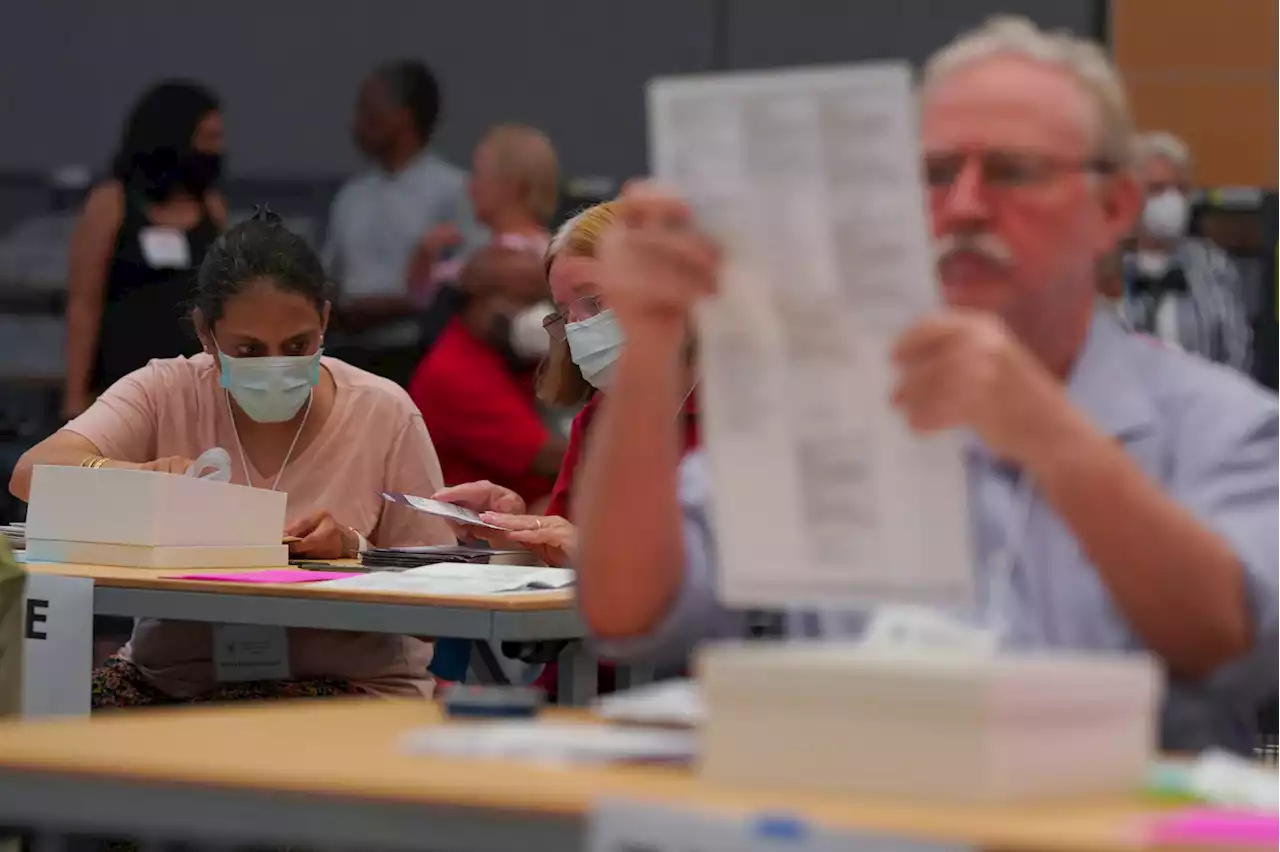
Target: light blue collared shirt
(1206, 434)
(378, 219)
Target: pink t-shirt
(373, 441)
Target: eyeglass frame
(1028, 169)
(554, 325)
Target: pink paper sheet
(1213, 826)
(272, 575)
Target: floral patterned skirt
(119, 683)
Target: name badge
(164, 248)
(250, 652)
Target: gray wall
(287, 70)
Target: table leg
(577, 684)
(632, 676)
(485, 665)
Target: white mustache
(986, 246)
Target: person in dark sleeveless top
(140, 238)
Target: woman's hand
(176, 465)
(322, 537)
(483, 496)
(551, 538)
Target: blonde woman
(585, 342)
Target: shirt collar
(1104, 383)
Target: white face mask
(1152, 264)
(529, 339)
(270, 389)
(1166, 214)
(594, 345)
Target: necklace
(244, 462)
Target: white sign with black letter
(626, 826)
(57, 634)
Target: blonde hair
(560, 382)
(1083, 59)
(1164, 145)
(580, 235)
(524, 155)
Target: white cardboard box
(149, 509)
(164, 557)
(845, 719)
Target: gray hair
(1164, 145)
(1083, 59)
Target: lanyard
(1000, 567)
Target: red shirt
(483, 418)
(562, 493)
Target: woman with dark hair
(332, 437)
(140, 238)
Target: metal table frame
(577, 673)
(53, 807)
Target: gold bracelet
(94, 462)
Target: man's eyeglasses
(1006, 169)
(583, 308)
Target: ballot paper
(441, 509)
(460, 579)
(810, 179)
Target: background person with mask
(391, 225)
(329, 435)
(1182, 290)
(140, 238)
(514, 188)
(475, 384)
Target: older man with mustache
(1128, 489)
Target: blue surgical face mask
(594, 345)
(270, 389)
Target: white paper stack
(454, 578)
(15, 534)
(146, 519)
(961, 728)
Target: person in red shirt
(475, 388)
(585, 341)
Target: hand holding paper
(965, 368)
(654, 265)
(483, 496)
(320, 536)
(551, 538)
(448, 511)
